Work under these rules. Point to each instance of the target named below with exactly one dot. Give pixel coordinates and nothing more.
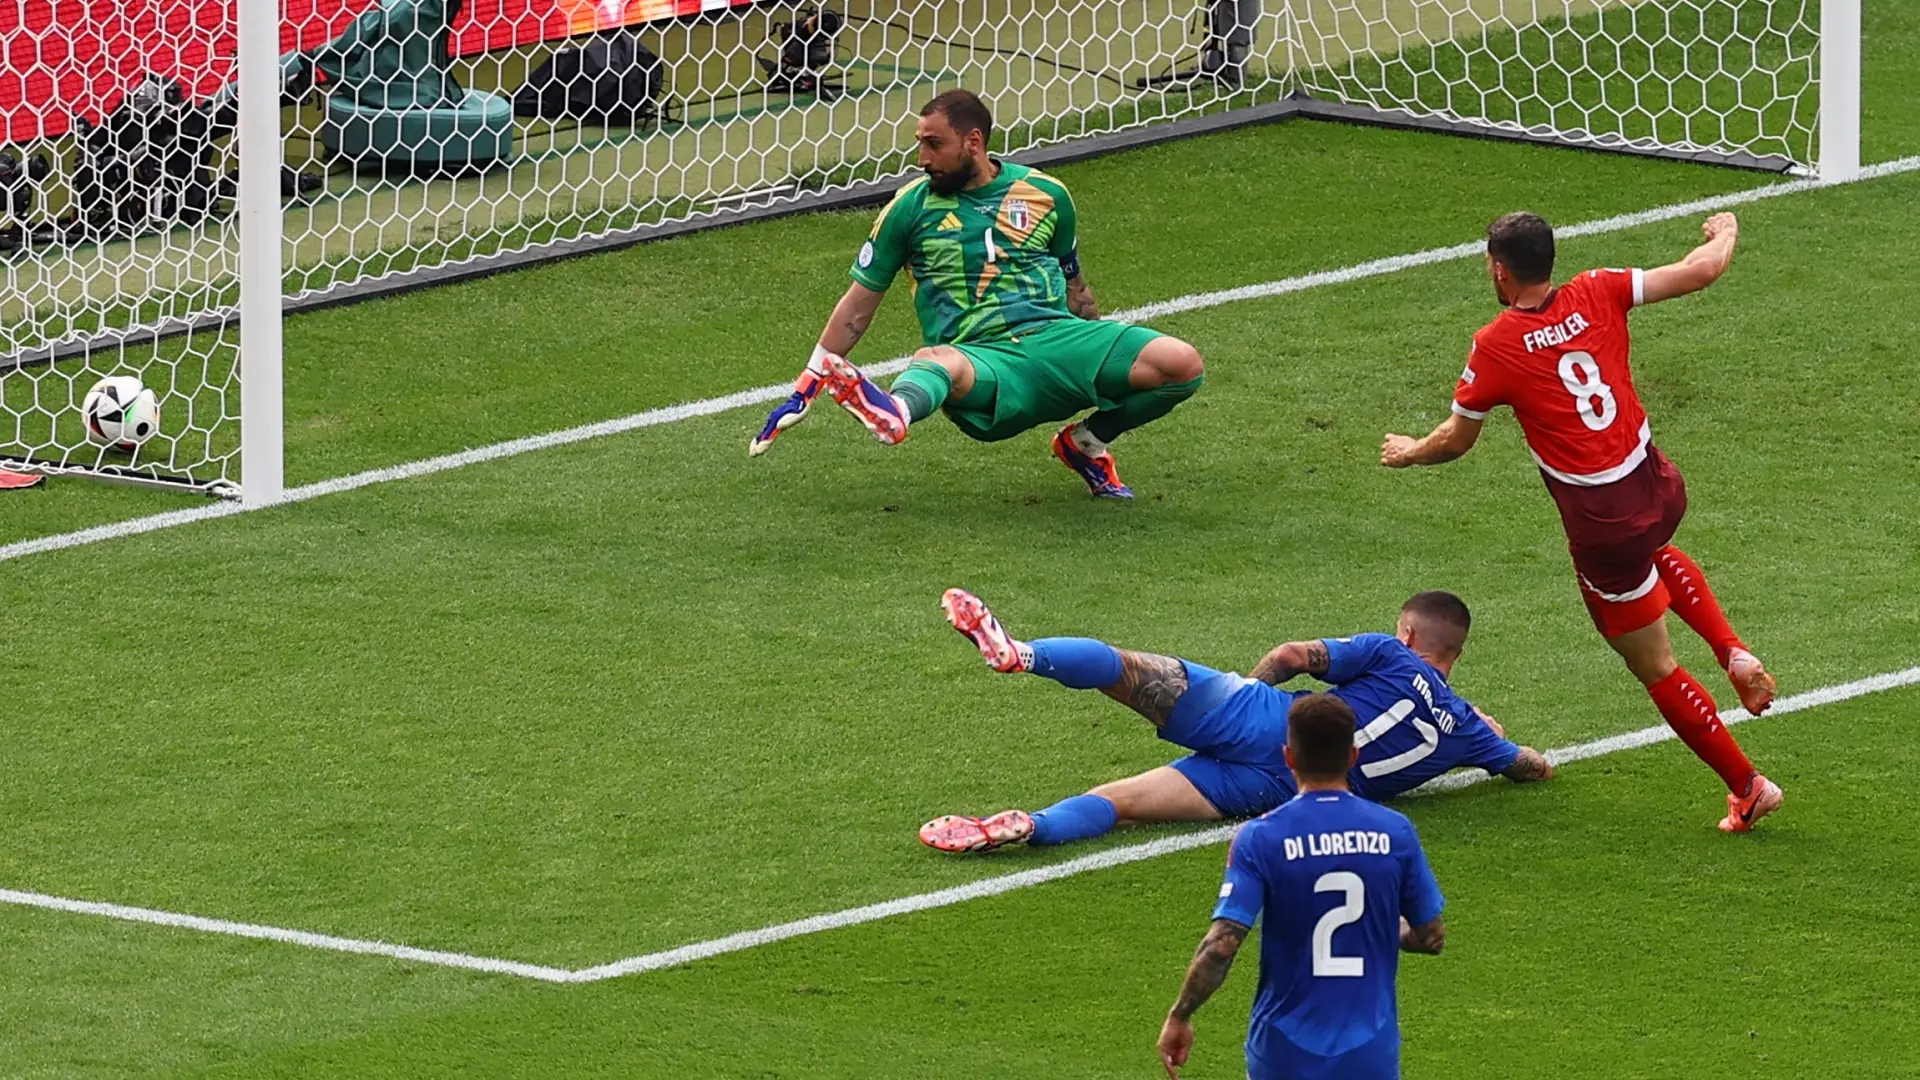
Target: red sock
(1689, 710)
(1693, 601)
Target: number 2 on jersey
(1592, 397)
(1325, 964)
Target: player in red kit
(1558, 356)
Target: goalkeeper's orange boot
(1763, 797)
(968, 614)
(1098, 470)
(964, 834)
(788, 412)
(885, 417)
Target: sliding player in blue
(1344, 889)
(1413, 726)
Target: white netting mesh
(836, 106)
(425, 133)
(1723, 76)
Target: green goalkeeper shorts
(1046, 373)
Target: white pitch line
(291, 937)
(765, 394)
(1120, 856)
(975, 890)
(1659, 733)
(993, 886)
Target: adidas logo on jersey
(950, 223)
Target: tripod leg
(1223, 55)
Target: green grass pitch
(639, 692)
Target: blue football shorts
(1236, 728)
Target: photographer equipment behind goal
(806, 50)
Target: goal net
(116, 194)
(423, 139)
(1732, 81)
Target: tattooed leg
(1149, 684)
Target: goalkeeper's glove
(794, 409)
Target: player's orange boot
(1763, 797)
(968, 614)
(1102, 477)
(882, 413)
(963, 834)
(1750, 680)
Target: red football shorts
(1613, 533)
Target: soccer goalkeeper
(1013, 337)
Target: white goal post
(177, 174)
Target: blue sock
(1082, 817)
(1076, 662)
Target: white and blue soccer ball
(120, 413)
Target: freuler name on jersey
(1558, 334)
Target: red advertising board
(66, 58)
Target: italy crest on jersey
(1019, 215)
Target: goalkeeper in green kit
(1013, 337)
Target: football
(120, 413)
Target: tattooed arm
(1529, 766)
(1293, 658)
(1430, 938)
(1209, 969)
(1210, 965)
(850, 319)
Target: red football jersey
(1564, 369)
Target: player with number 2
(1558, 356)
(1344, 888)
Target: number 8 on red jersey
(1564, 370)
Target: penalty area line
(326, 942)
(1120, 856)
(767, 394)
(975, 890)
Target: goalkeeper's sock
(1082, 817)
(1076, 662)
(1138, 408)
(922, 388)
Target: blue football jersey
(1410, 725)
(1332, 874)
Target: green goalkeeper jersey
(983, 264)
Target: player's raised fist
(1721, 223)
(1397, 451)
